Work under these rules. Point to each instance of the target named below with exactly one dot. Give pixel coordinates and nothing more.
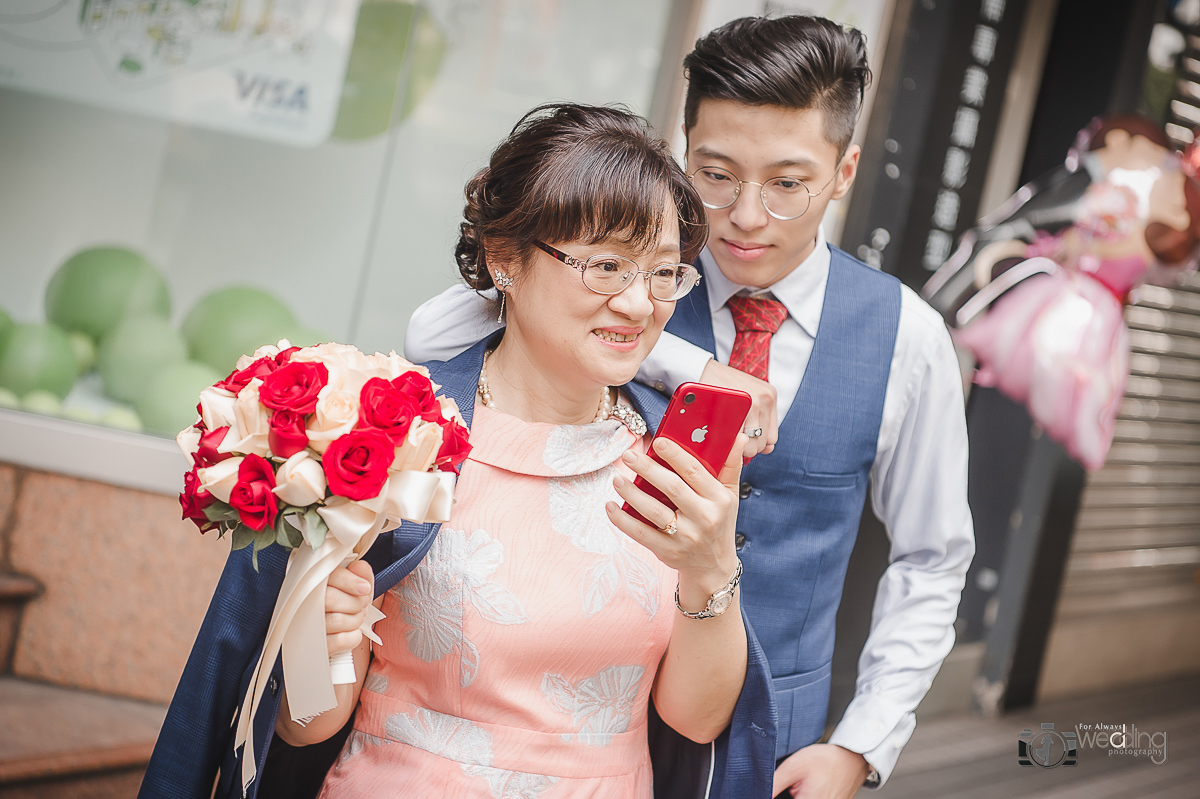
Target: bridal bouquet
(317, 450)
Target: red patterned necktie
(756, 319)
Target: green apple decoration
(169, 402)
(85, 351)
(232, 322)
(37, 356)
(96, 288)
(43, 402)
(121, 418)
(137, 349)
(80, 413)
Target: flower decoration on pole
(316, 450)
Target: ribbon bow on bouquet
(317, 450)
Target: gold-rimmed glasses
(612, 274)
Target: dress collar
(802, 291)
(546, 450)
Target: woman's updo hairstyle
(572, 172)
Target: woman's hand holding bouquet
(317, 449)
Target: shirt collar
(802, 291)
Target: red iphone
(704, 420)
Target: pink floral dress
(518, 657)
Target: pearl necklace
(604, 412)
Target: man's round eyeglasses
(612, 274)
(784, 197)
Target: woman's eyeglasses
(612, 274)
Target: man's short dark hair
(795, 62)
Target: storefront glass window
(199, 137)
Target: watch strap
(714, 607)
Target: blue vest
(801, 517)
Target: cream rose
(420, 447)
(216, 407)
(251, 425)
(219, 479)
(336, 414)
(300, 481)
(188, 441)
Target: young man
(861, 382)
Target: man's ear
(847, 171)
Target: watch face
(721, 603)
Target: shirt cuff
(673, 362)
(878, 730)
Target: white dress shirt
(918, 481)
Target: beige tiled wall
(126, 583)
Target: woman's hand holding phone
(693, 485)
(702, 548)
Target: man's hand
(821, 771)
(763, 412)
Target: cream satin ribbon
(298, 622)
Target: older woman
(520, 657)
(523, 656)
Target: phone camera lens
(688, 399)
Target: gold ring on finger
(673, 526)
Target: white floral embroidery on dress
(600, 706)
(376, 682)
(457, 570)
(357, 742)
(506, 784)
(575, 449)
(577, 511)
(469, 745)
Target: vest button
(744, 490)
(274, 685)
(739, 541)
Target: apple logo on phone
(699, 433)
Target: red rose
(294, 387)
(356, 465)
(417, 386)
(251, 496)
(206, 454)
(240, 378)
(287, 436)
(285, 355)
(194, 500)
(455, 446)
(385, 408)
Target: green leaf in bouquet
(287, 534)
(243, 536)
(220, 512)
(314, 527)
(262, 540)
